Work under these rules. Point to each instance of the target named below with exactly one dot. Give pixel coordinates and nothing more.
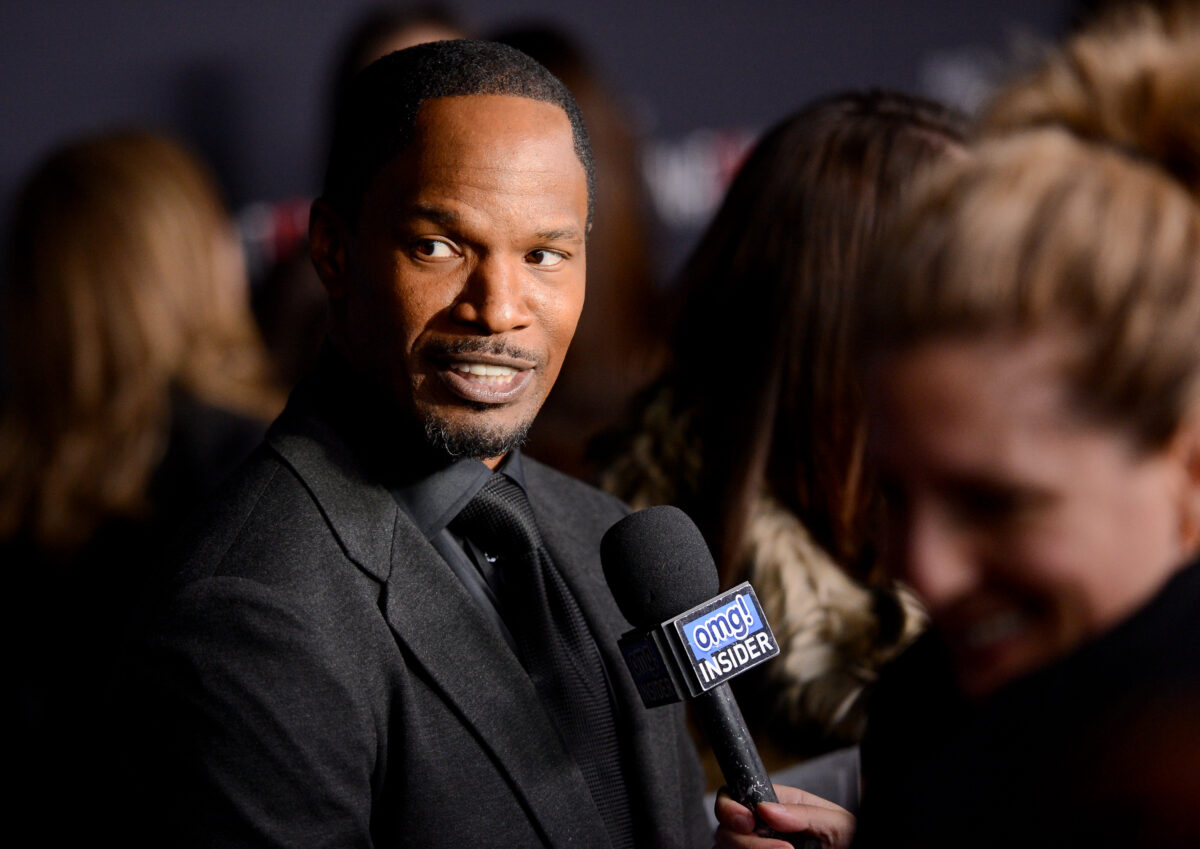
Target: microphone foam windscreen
(657, 565)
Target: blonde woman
(1031, 349)
(125, 290)
(136, 380)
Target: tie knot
(499, 519)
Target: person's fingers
(795, 796)
(833, 826)
(796, 812)
(726, 839)
(733, 815)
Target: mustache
(443, 348)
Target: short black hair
(377, 118)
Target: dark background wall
(245, 82)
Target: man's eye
(434, 249)
(544, 258)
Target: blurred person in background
(759, 434)
(137, 380)
(383, 29)
(1031, 344)
(1039, 428)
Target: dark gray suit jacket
(319, 677)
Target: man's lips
(486, 380)
(489, 372)
(486, 373)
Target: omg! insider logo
(725, 636)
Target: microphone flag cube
(700, 648)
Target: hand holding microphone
(827, 825)
(688, 640)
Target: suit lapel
(472, 665)
(469, 661)
(433, 616)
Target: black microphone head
(657, 565)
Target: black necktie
(553, 642)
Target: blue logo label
(726, 636)
(721, 627)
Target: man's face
(1025, 528)
(463, 279)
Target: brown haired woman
(756, 429)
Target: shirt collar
(434, 500)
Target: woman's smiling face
(1025, 527)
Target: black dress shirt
(435, 499)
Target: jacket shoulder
(546, 483)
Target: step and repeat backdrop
(677, 88)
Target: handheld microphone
(688, 640)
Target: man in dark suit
(345, 660)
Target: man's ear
(328, 239)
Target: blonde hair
(1130, 80)
(1041, 231)
(1074, 211)
(126, 283)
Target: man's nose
(495, 298)
(937, 556)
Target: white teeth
(998, 627)
(486, 372)
(484, 369)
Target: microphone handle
(733, 748)
(741, 765)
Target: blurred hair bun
(1130, 81)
